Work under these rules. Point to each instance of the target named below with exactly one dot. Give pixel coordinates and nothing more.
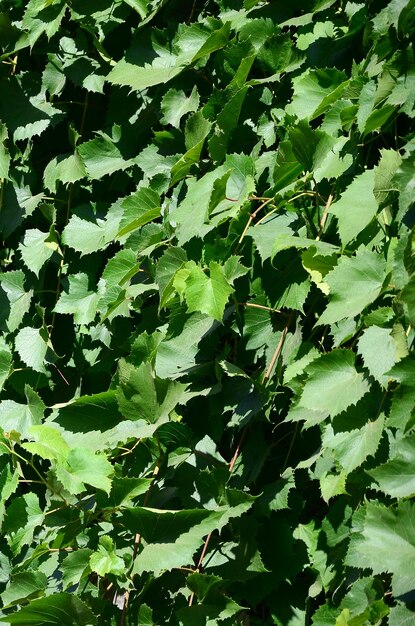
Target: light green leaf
(177, 354)
(175, 104)
(356, 207)
(21, 417)
(314, 91)
(19, 299)
(207, 294)
(87, 236)
(380, 351)
(65, 169)
(79, 302)
(396, 477)
(138, 209)
(49, 443)
(384, 540)
(32, 345)
(37, 248)
(105, 560)
(4, 153)
(5, 362)
(23, 516)
(351, 448)
(81, 468)
(333, 384)
(101, 156)
(167, 267)
(354, 284)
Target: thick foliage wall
(207, 308)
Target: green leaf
(21, 417)
(380, 350)
(23, 516)
(105, 560)
(5, 362)
(79, 302)
(23, 587)
(49, 443)
(207, 294)
(37, 248)
(4, 153)
(356, 207)
(176, 104)
(333, 384)
(354, 284)
(314, 91)
(65, 169)
(19, 299)
(75, 567)
(384, 541)
(140, 208)
(81, 468)
(101, 156)
(396, 477)
(59, 608)
(32, 346)
(352, 447)
(168, 60)
(176, 535)
(88, 236)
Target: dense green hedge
(206, 308)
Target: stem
(324, 217)
(279, 347)
(251, 219)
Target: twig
(324, 217)
(251, 219)
(279, 347)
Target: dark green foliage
(207, 301)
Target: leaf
(105, 560)
(177, 354)
(140, 208)
(65, 169)
(87, 236)
(354, 284)
(5, 362)
(4, 153)
(75, 566)
(356, 207)
(189, 44)
(380, 351)
(19, 299)
(207, 294)
(21, 417)
(314, 91)
(352, 447)
(178, 533)
(176, 104)
(333, 384)
(23, 516)
(37, 248)
(385, 540)
(79, 302)
(49, 443)
(32, 346)
(85, 468)
(24, 586)
(59, 608)
(101, 156)
(396, 477)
